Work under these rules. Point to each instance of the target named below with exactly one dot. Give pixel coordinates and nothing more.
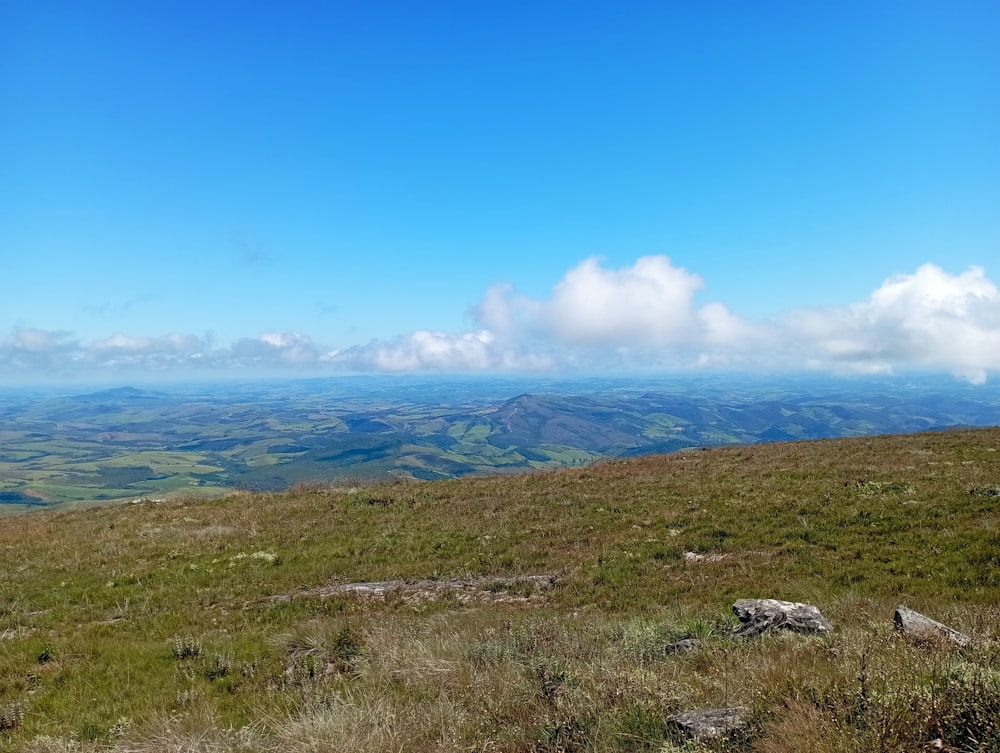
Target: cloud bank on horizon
(596, 319)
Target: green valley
(161, 441)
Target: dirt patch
(515, 589)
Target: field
(521, 612)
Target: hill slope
(399, 616)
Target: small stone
(698, 557)
(684, 644)
(707, 724)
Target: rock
(684, 644)
(923, 628)
(761, 616)
(512, 589)
(706, 724)
(697, 557)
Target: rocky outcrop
(513, 589)
(708, 724)
(923, 628)
(761, 616)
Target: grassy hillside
(225, 625)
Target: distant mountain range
(128, 442)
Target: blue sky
(212, 188)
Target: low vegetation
(228, 624)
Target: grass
(154, 627)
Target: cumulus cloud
(595, 316)
(928, 319)
(32, 349)
(647, 304)
(38, 341)
(162, 353)
(646, 314)
(28, 351)
(275, 349)
(497, 311)
(424, 350)
(718, 327)
(127, 345)
(641, 316)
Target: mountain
(129, 443)
(580, 422)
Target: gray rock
(923, 628)
(523, 589)
(761, 616)
(684, 644)
(697, 557)
(706, 724)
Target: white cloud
(646, 315)
(435, 350)
(928, 319)
(497, 312)
(641, 316)
(28, 349)
(594, 315)
(176, 345)
(424, 350)
(274, 349)
(31, 340)
(165, 353)
(647, 304)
